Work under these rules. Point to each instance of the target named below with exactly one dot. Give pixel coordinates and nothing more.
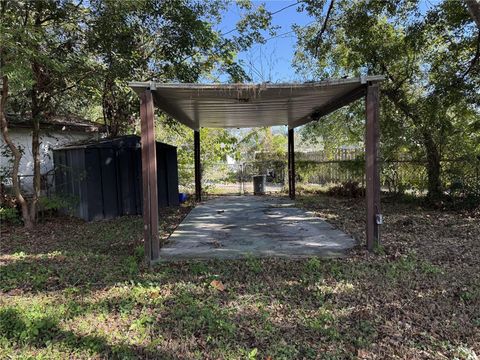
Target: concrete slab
(238, 226)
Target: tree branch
(318, 38)
(474, 9)
(474, 61)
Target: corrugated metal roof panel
(251, 105)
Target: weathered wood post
(149, 177)
(198, 169)
(291, 164)
(374, 217)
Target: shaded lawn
(78, 290)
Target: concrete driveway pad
(239, 226)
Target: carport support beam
(371, 166)
(198, 169)
(149, 178)
(291, 163)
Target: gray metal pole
(291, 163)
(198, 171)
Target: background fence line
(458, 176)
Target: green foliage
(367, 333)
(42, 44)
(199, 268)
(190, 314)
(131, 265)
(216, 145)
(7, 161)
(9, 215)
(252, 355)
(123, 35)
(87, 52)
(35, 325)
(63, 57)
(349, 189)
(140, 253)
(324, 324)
(313, 266)
(429, 102)
(253, 264)
(57, 202)
(256, 142)
(355, 168)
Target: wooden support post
(149, 178)
(374, 217)
(291, 164)
(198, 169)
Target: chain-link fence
(234, 179)
(47, 183)
(458, 176)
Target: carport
(254, 105)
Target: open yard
(70, 289)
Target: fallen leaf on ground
(217, 284)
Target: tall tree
(15, 151)
(41, 63)
(430, 60)
(65, 55)
(171, 40)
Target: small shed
(103, 179)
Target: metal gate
(235, 179)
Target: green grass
(77, 290)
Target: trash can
(259, 184)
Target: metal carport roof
(249, 105)
(253, 105)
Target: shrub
(347, 189)
(56, 202)
(51, 205)
(9, 215)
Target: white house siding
(49, 140)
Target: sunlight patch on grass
(102, 302)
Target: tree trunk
(17, 155)
(36, 115)
(433, 167)
(434, 185)
(38, 105)
(109, 107)
(474, 9)
(36, 167)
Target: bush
(347, 189)
(9, 215)
(51, 205)
(55, 203)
